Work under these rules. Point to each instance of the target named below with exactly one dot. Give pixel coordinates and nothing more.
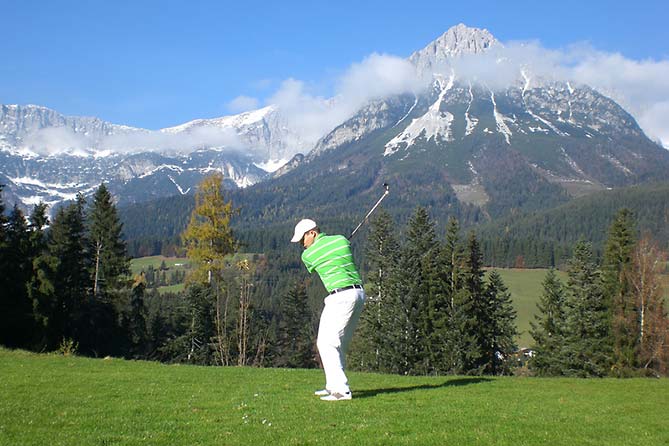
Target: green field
(56, 400)
(172, 263)
(525, 287)
(142, 263)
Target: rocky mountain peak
(457, 41)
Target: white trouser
(338, 320)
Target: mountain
(46, 156)
(530, 144)
(477, 144)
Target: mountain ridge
(530, 143)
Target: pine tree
(378, 340)
(39, 220)
(548, 328)
(617, 290)
(295, 343)
(110, 259)
(202, 329)
(587, 351)
(411, 285)
(5, 278)
(17, 314)
(454, 337)
(60, 283)
(499, 343)
(446, 346)
(136, 329)
(473, 317)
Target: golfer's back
(330, 256)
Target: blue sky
(156, 64)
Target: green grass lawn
(142, 263)
(525, 287)
(172, 263)
(55, 400)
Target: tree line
(66, 283)
(608, 319)
(546, 238)
(431, 308)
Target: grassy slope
(55, 400)
(140, 263)
(173, 263)
(525, 287)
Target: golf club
(385, 193)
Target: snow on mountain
(467, 127)
(264, 133)
(433, 125)
(47, 156)
(462, 122)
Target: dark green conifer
(411, 285)
(445, 340)
(617, 290)
(499, 342)
(60, 281)
(473, 312)
(295, 346)
(548, 329)
(110, 263)
(587, 350)
(16, 324)
(378, 339)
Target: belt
(350, 287)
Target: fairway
(56, 400)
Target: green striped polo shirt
(330, 256)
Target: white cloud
(184, 142)
(379, 76)
(242, 104)
(654, 119)
(52, 140)
(641, 87)
(311, 115)
(375, 77)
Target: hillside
(543, 238)
(132, 403)
(546, 237)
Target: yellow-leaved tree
(208, 237)
(208, 240)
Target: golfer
(330, 256)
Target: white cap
(302, 228)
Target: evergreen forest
(248, 301)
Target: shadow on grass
(456, 382)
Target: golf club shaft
(387, 191)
